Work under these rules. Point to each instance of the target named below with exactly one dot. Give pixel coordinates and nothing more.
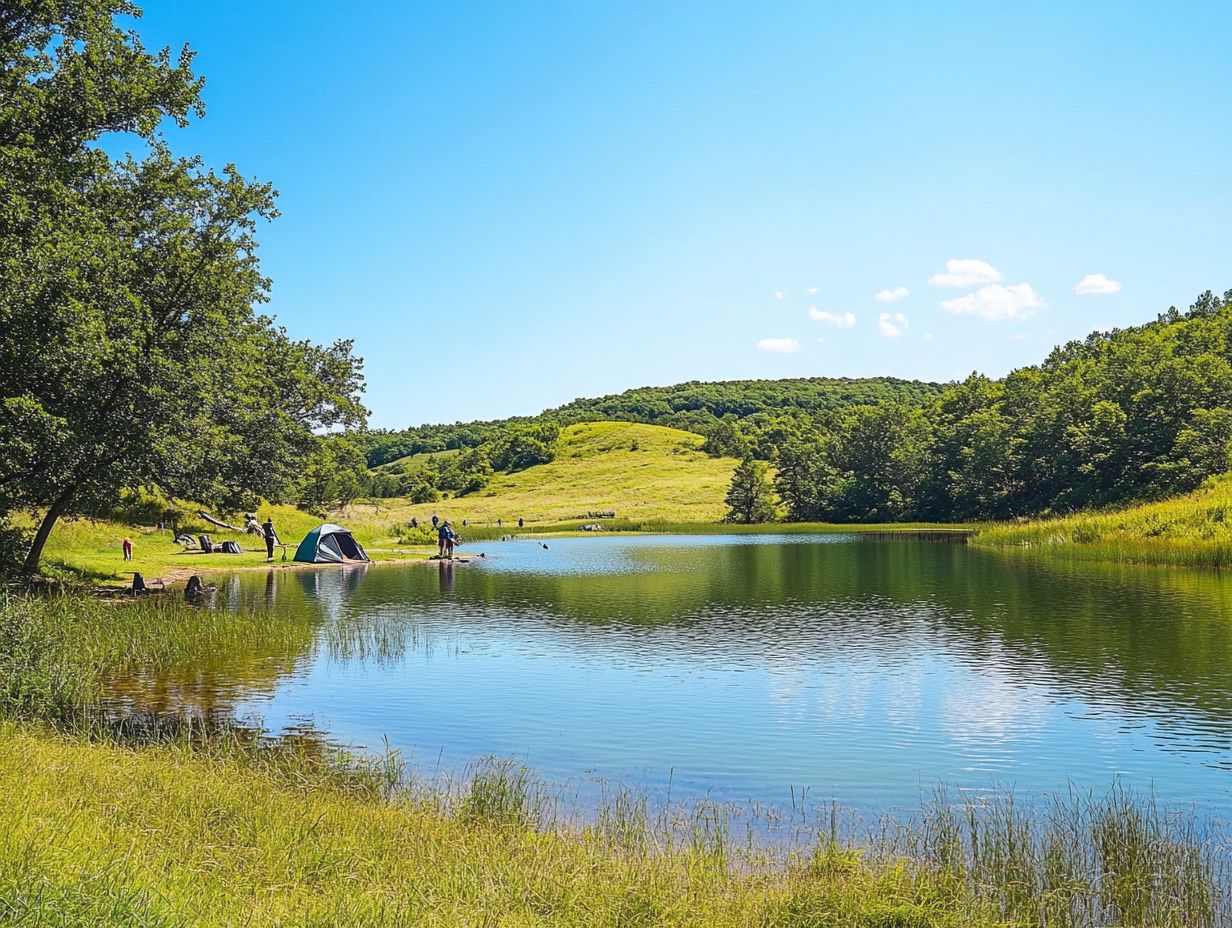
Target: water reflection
(863, 666)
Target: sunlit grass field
(1194, 530)
(640, 472)
(90, 550)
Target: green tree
(130, 352)
(523, 446)
(723, 440)
(804, 479)
(333, 475)
(750, 498)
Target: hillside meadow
(641, 472)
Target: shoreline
(169, 573)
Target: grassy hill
(641, 472)
(694, 406)
(1194, 530)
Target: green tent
(329, 544)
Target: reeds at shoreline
(222, 826)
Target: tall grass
(56, 653)
(1194, 530)
(226, 828)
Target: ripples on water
(744, 667)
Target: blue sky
(511, 205)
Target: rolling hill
(641, 472)
(695, 406)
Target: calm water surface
(741, 667)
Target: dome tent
(329, 544)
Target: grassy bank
(98, 834)
(1194, 530)
(89, 549)
(219, 829)
(654, 526)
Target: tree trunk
(35, 554)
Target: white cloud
(891, 296)
(997, 302)
(779, 345)
(811, 290)
(1097, 283)
(965, 272)
(778, 294)
(838, 320)
(892, 326)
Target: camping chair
(207, 546)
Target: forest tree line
(693, 406)
(1132, 414)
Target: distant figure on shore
(464, 523)
(127, 546)
(500, 523)
(445, 538)
(521, 522)
(271, 538)
(435, 519)
(414, 521)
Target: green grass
(57, 653)
(99, 834)
(89, 549)
(1194, 530)
(641, 472)
(100, 828)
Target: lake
(753, 668)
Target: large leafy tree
(130, 351)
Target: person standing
(444, 540)
(127, 546)
(271, 538)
